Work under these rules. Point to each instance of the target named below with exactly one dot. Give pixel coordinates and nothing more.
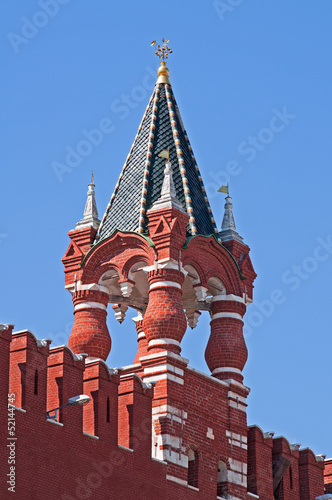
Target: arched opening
(193, 468)
(36, 383)
(108, 409)
(222, 488)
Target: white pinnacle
(90, 217)
(228, 220)
(228, 227)
(168, 194)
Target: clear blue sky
(253, 83)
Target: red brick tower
(156, 428)
(163, 255)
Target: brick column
(226, 352)
(90, 333)
(142, 349)
(164, 322)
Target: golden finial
(163, 50)
(162, 53)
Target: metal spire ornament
(163, 50)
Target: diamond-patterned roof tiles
(141, 179)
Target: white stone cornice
(166, 264)
(227, 369)
(226, 315)
(157, 284)
(91, 286)
(229, 297)
(95, 305)
(163, 341)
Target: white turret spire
(90, 217)
(228, 227)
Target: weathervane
(163, 50)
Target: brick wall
(112, 448)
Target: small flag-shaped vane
(164, 154)
(223, 189)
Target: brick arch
(193, 466)
(223, 458)
(222, 478)
(214, 260)
(114, 252)
(189, 261)
(131, 262)
(104, 268)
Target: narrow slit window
(36, 383)
(108, 409)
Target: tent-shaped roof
(141, 179)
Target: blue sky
(253, 84)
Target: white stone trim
(54, 422)
(226, 369)
(237, 478)
(252, 495)
(237, 466)
(230, 297)
(163, 354)
(165, 283)
(42, 342)
(125, 448)
(176, 480)
(164, 341)
(159, 461)
(238, 443)
(211, 379)
(168, 448)
(95, 305)
(91, 286)
(174, 457)
(90, 435)
(237, 473)
(128, 367)
(168, 440)
(193, 488)
(209, 433)
(164, 376)
(226, 315)
(163, 368)
(126, 288)
(237, 405)
(238, 384)
(139, 317)
(237, 437)
(165, 264)
(24, 331)
(141, 335)
(169, 409)
(169, 412)
(233, 395)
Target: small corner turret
(81, 238)
(234, 243)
